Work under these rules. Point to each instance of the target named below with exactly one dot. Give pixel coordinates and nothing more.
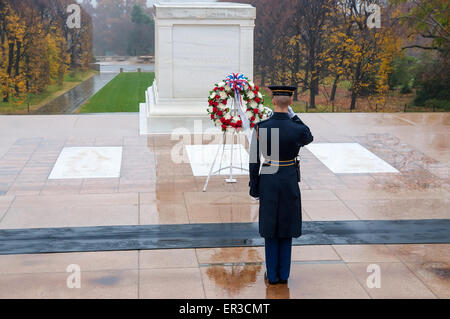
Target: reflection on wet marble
(231, 273)
(396, 281)
(152, 189)
(230, 255)
(232, 280)
(148, 168)
(418, 171)
(436, 275)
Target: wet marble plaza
(151, 189)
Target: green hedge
(438, 104)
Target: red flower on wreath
(218, 100)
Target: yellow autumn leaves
(36, 48)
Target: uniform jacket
(277, 139)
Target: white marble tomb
(197, 45)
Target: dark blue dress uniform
(275, 182)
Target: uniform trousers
(278, 258)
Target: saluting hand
(291, 112)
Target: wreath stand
(234, 112)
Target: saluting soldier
(275, 182)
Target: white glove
(291, 112)
(255, 198)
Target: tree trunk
(316, 85)
(313, 91)
(354, 84)
(312, 82)
(17, 65)
(295, 93)
(296, 69)
(312, 97)
(9, 69)
(27, 68)
(353, 102)
(334, 88)
(263, 77)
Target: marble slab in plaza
(87, 162)
(201, 158)
(348, 158)
(197, 45)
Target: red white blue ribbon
(237, 82)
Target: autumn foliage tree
(309, 43)
(428, 29)
(37, 48)
(304, 37)
(358, 52)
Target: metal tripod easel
(234, 135)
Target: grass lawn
(122, 94)
(71, 80)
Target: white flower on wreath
(246, 86)
(253, 104)
(249, 114)
(217, 123)
(223, 95)
(260, 95)
(221, 84)
(228, 89)
(221, 106)
(227, 116)
(212, 96)
(251, 84)
(250, 95)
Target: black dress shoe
(282, 281)
(270, 282)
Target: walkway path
(74, 98)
